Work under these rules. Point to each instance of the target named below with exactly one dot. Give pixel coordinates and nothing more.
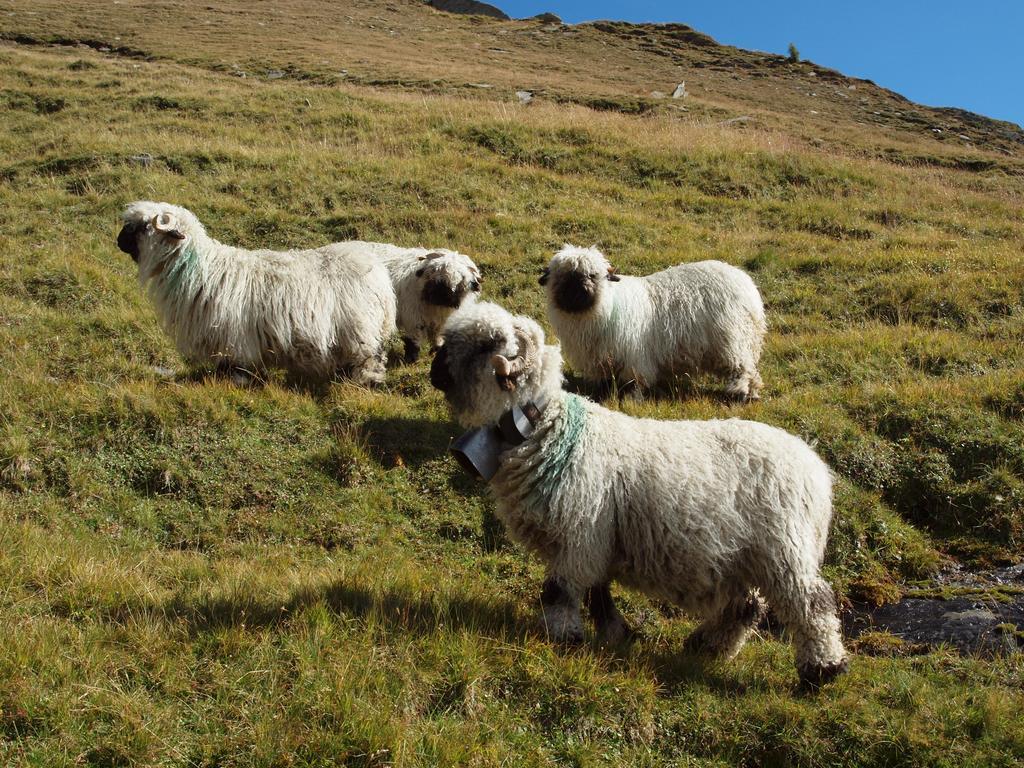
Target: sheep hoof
(632, 392)
(742, 396)
(617, 634)
(813, 676)
(570, 638)
(698, 644)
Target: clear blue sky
(944, 53)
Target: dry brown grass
(404, 43)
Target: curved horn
(507, 371)
(527, 347)
(167, 224)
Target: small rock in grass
(163, 371)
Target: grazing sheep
(314, 312)
(637, 331)
(429, 286)
(714, 516)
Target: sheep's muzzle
(440, 376)
(575, 292)
(128, 241)
(441, 294)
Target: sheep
(429, 285)
(313, 312)
(638, 331)
(717, 517)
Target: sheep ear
(611, 274)
(167, 223)
(543, 279)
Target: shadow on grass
(675, 389)
(399, 611)
(314, 387)
(677, 669)
(394, 609)
(412, 442)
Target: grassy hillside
(610, 66)
(193, 573)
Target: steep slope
(607, 65)
(195, 573)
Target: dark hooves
(570, 640)
(621, 638)
(813, 677)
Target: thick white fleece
(315, 312)
(705, 316)
(698, 513)
(410, 271)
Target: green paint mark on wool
(559, 452)
(181, 271)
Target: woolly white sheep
(714, 516)
(314, 312)
(637, 331)
(429, 285)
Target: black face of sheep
(575, 292)
(128, 240)
(441, 294)
(458, 392)
(459, 366)
(440, 376)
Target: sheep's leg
(633, 388)
(412, 350)
(372, 370)
(726, 632)
(754, 387)
(611, 628)
(561, 607)
(812, 619)
(744, 384)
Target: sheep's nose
(440, 376)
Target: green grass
(193, 573)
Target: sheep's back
(705, 286)
(709, 489)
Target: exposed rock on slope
(471, 7)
